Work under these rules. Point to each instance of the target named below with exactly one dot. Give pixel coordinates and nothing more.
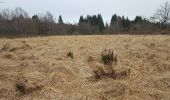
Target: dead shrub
(70, 54)
(121, 74)
(108, 57)
(100, 73)
(23, 89)
(8, 56)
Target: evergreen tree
(94, 20)
(125, 23)
(60, 20)
(113, 20)
(100, 23)
(138, 19)
(81, 20)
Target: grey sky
(72, 9)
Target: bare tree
(163, 14)
(20, 12)
(49, 21)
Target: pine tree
(100, 23)
(138, 19)
(113, 20)
(60, 20)
(125, 23)
(81, 20)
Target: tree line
(18, 22)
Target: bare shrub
(115, 75)
(98, 73)
(8, 56)
(23, 89)
(70, 54)
(121, 74)
(101, 73)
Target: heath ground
(72, 68)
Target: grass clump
(90, 59)
(70, 54)
(5, 47)
(9, 56)
(21, 88)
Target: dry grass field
(39, 69)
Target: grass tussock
(9, 48)
(5, 47)
(70, 54)
(21, 88)
(26, 47)
(90, 59)
(22, 47)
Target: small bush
(108, 57)
(70, 54)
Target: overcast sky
(72, 9)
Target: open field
(42, 65)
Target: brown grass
(38, 68)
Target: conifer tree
(81, 20)
(60, 20)
(100, 23)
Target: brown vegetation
(39, 68)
